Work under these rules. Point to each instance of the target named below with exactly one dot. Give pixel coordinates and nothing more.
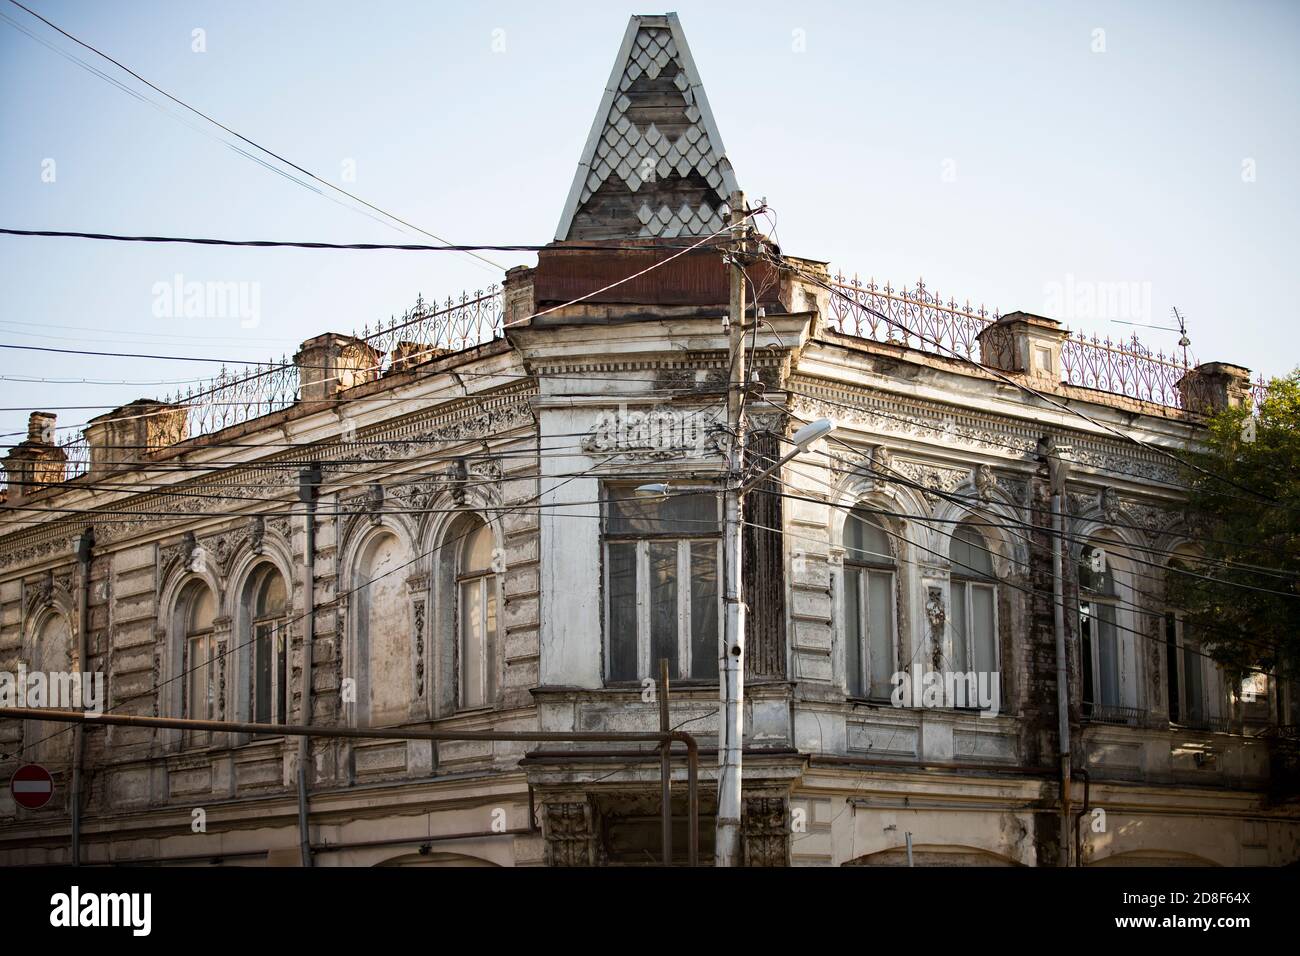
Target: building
(436, 526)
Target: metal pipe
(419, 840)
(360, 733)
(908, 836)
(928, 765)
(85, 552)
(665, 766)
(1062, 669)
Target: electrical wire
(245, 139)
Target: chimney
(37, 461)
(332, 363)
(518, 302)
(410, 354)
(126, 436)
(1214, 386)
(1026, 344)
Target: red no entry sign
(32, 786)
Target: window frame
(486, 580)
(862, 570)
(642, 540)
(191, 594)
(968, 580)
(1089, 656)
(1180, 645)
(280, 669)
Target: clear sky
(1024, 155)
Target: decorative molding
(934, 478)
(988, 433)
(419, 648)
(470, 419)
(765, 838)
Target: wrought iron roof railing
(919, 318)
(238, 395)
(915, 317)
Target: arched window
(384, 641)
(197, 609)
(871, 640)
(49, 742)
(265, 608)
(973, 603)
(476, 625)
(1098, 633)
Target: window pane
(622, 611)
(203, 607)
(969, 553)
(262, 673)
(853, 631)
(866, 540)
(1095, 573)
(880, 620)
(476, 553)
(1193, 678)
(663, 605)
(471, 644)
(490, 642)
(983, 636)
(1171, 667)
(957, 618)
(1107, 655)
(704, 610)
(692, 514)
(281, 666)
(1086, 640)
(271, 596)
(200, 686)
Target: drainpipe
(308, 488)
(85, 549)
(1057, 470)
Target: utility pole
(731, 728)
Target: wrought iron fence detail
(914, 317)
(918, 318)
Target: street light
(801, 439)
(811, 432)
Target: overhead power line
(245, 139)
(304, 244)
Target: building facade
(437, 527)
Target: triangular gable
(654, 164)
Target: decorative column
(764, 831)
(570, 829)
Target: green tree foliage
(1250, 538)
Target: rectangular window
(973, 618)
(1101, 691)
(869, 617)
(662, 600)
(270, 674)
(479, 636)
(1186, 677)
(200, 690)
